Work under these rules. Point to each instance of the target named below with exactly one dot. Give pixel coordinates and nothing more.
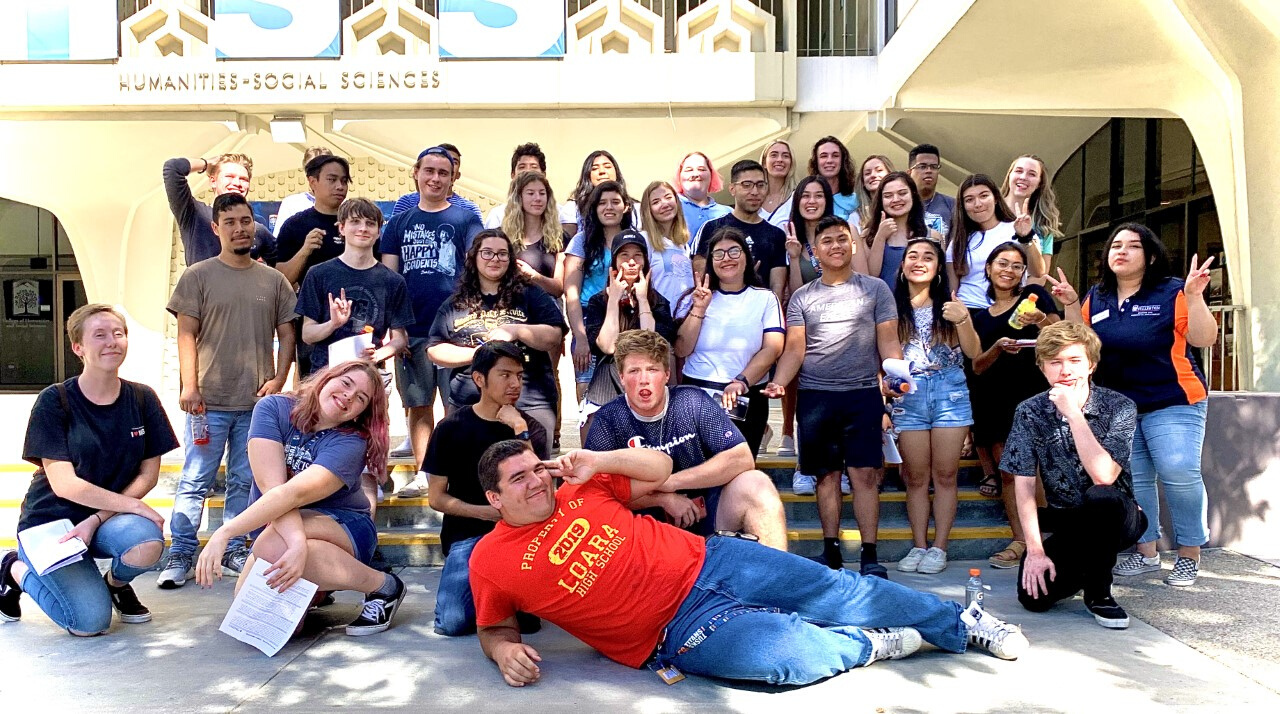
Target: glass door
(71, 295)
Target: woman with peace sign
(1149, 322)
(982, 222)
(933, 419)
(1028, 183)
(732, 333)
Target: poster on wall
(52, 30)
(276, 29)
(491, 29)
(28, 299)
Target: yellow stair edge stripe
(886, 497)
(784, 462)
(851, 534)
(392, 502)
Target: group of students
(674, 289)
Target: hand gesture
(271, 386)
(1033, 570)
(682, 510)
(1061, 288)
(209, 565)
(500, 333)
(518, 663)
(1197, 277)
(702, 296)
(287, 569)
(617, 287)
(1022, 218)
(140, 508)
(954, 311)
(339, 309)
(526, 269)
(1034, 317)
(190, 400)
(575, 467)
(793, 243)
(313, 241)
(1068, 400)
(729, 399)
(510, 416)
(1007, 344)
(83, 530)
(641, 288)
(886, 229)
(773, 390)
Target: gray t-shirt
(840, 331)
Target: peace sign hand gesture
(793, 243)
(702, 295)
(1197, 277)
(339, 308)
(1022, 219)
(1062, 289)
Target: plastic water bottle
(1024, 307)
(199, 429)
(973, 589)
(897, 384)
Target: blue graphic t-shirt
(338, 450)
(432, 246)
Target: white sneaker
(765, 439)
(934, 561)
(910, 563)
(845, 488)
(788, 447)
(993, 634)
(803, 484)
(417, 488)
(892, 643)
(404, 449)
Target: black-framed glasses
(721, 253)
(486, 254)
(926, 167)
(753, 185)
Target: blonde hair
(789, 183)
(513, 215)
(314, 151)
(1060, 335)
(1044, 201)
(649, 223)
(215, 166)
(81, 315)
(643, 343)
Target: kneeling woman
(96, 441)
(307, 451)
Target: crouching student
(307, 512)
(453, 454)
(1077, 438)
(96, 441)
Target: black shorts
(839, 430)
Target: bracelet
(966, 319)
(1071, 303)
(694, 314)
(100, 521)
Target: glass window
(1176, 148)
(1067, 185)
(1066, 255)
(1097, 179)
(1133, 163)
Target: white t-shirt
(780, 215)
(495, 216)
(671, 271)
(291, 206)
(973, 287)
(732, 333)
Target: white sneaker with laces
(910, 563)
(892, 643)
(803, 484)
(845, 488)
(417, 488)
(934, 561)
(788, 447)
(765, 439)
(993, 634)
(404, 449)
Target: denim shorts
(418, 378)
(359, 527)
(941, 400)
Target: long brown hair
(962, 226)
(371, 424)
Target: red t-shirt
(609, 577)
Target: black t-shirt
(467, 328)
(598, 308)
(1013, 375)
(293, 234)
(767, 242)
(540, 259)
(378, 295)
(454, 452)
(105, 444)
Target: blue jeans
(75, 596)
(455, 608)
(229, 433)
(1167, 445)
(771, 616)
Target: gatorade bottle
(897, 384)
(973, 589)
(1026, 306)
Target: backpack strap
(66, 406)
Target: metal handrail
(1223, 362)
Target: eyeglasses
(752, 185)
(926, 167)
(1006, 265)
(721, 253)
(486, 254)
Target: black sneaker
(378, 611)
(873, 569)
(126, 604)
(1108, 613)
(10, 593)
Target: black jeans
(1083, 545)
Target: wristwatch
(523, 436)
(742, 378)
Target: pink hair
(717, 184)
(372, 424)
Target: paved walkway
(179, 662)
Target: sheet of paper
(901, 369)
(41, 545)
(263, 617)
(349, 349)
(889, 448)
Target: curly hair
(511, 285)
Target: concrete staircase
(409, 529)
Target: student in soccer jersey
(642, 592)
(696, 180)
(715, 485)
(296, 203)
(525, 157)
(409, 200)
(840, 328)
(96, 441)
(426, 244)
(460, 439)
(228, 173)
(731, 333)
(748, 185)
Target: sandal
(991, 486)
(1010, 557)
